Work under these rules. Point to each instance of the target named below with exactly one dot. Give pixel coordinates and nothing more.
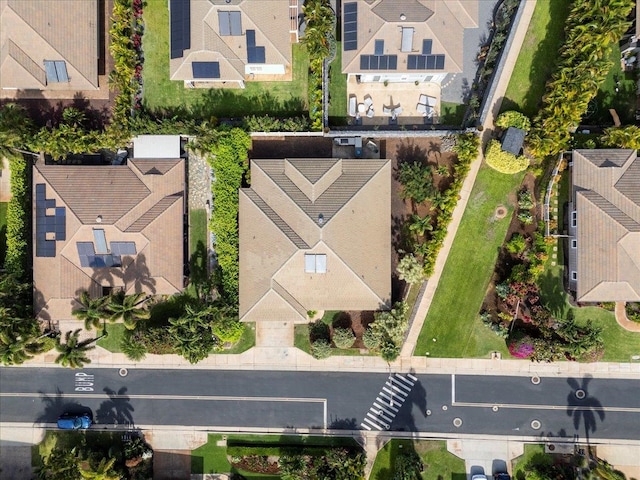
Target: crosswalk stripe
(365, 426)
(395, 396)
(387, 401)
(389, 412)
(377, 419)
(404, 380)
(401, 385)
(415, 379)
(379, 414)
(400, 391)
(373, 424)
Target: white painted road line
(547, 407)
(364, 425)
(398, 384)
(405, 381)
(453, 388)
(391, 397)
(386, 400)
(380, 407)
(412, 377)
(380, 414)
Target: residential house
(405, 40)
(49, 45)
(604, 226)
(103, 228)
(315, 234)
(217, 43)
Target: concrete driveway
(486, 456)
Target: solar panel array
(205, 69)
(180, 20)
(230, 23)
(350, 23)
(425, 62)
(52, 226)
(123, 248)
(56, 71)
(255, 54)
(378, 62)
(379, 48)
(89, 258)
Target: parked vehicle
(479, 476)
(501, 476)
(72, 421)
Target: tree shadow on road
(117, 410)
(56, 405)
(582, 407)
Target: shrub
(525, 200)
(417, 181)
(517, 245)
(513, 119)
(132, 346)
(320, 349)
(18, 226)
(622, 137)
(228, 329)
(410, 270)
(371, 339)
(525, 217)
(504, 162)
(502, 290)
(389, 351)
(522, 348)
(343, 337)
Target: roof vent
(99, 219)
(320, 219)
(403, 17)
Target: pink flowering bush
(522, 348)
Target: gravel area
(199, 182)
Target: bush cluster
(267, 123)
(504, 162)
(513, 118)
(18, 215)
(386, 333)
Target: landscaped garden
(273, 457)
(417, 459)
(3, 230)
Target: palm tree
(127, 308)
(16, 348)
(15, 127)
(92, 311)
(101, 472)
(73, 351)
(420, 225)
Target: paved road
(485, 404)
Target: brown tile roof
(141, 202)
(332, 207)
(608, 224)
(442, 22)
(269, 19)
(32, 31)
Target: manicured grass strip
(519, 464)
(3, 230)
(452, 113)
(160, 93)
(197, 229)
(537, 57)
(438, 462)
(337, 90)
(210, 458)
(453, 315)
(112, 341)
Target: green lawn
(623, 101)
(452, 113)
(162, 94)
(198, 232)
(520, 463)
(453, 316)
(337, 91)
(439, 464)
(112, 341)
(537, 57)
(3, 231)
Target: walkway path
(425, 301)
(623, 321)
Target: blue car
(72, 421)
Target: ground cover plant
(457, 331)
(3, 230)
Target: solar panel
(180, 27)
(439, 62)
(378, 62)
(235, 20)
(256, 55)
(425, 62)
(61, 71)
(123, 248)
(85, 248)
(41, 190)
(350, 26)
(205, 69)
(431, 62)
(50, 71)
(251, 38)
(379, 47)
(407, 39)
(426, 47)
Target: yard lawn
(623, 101)
(337, 90)
(113, 340)
(197, 229)
(3, 230)
(452, 113)
(452, 327)
(518, 464)
(160, 93)
(439, 464)
(537, 58)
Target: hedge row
(18, 226)
(276, 451)
(229, 163)
(467, 149)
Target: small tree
(417, 181)
(513, 119)
(320, 349)
(343, 337)
(73, 353)
(133, 346)
(410, 269)
(371, 339)
(92, 311)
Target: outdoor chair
(370, 112)
(386, 110)
(431, 101)
(423, 99)
(368, 101)
(422, 108)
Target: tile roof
(32, 31)
(268, 18)
(444, 23)
(333, 207)
(135, 204)
(608, 224)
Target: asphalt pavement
(571, 408)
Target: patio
(377, 104)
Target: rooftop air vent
(403, 17)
